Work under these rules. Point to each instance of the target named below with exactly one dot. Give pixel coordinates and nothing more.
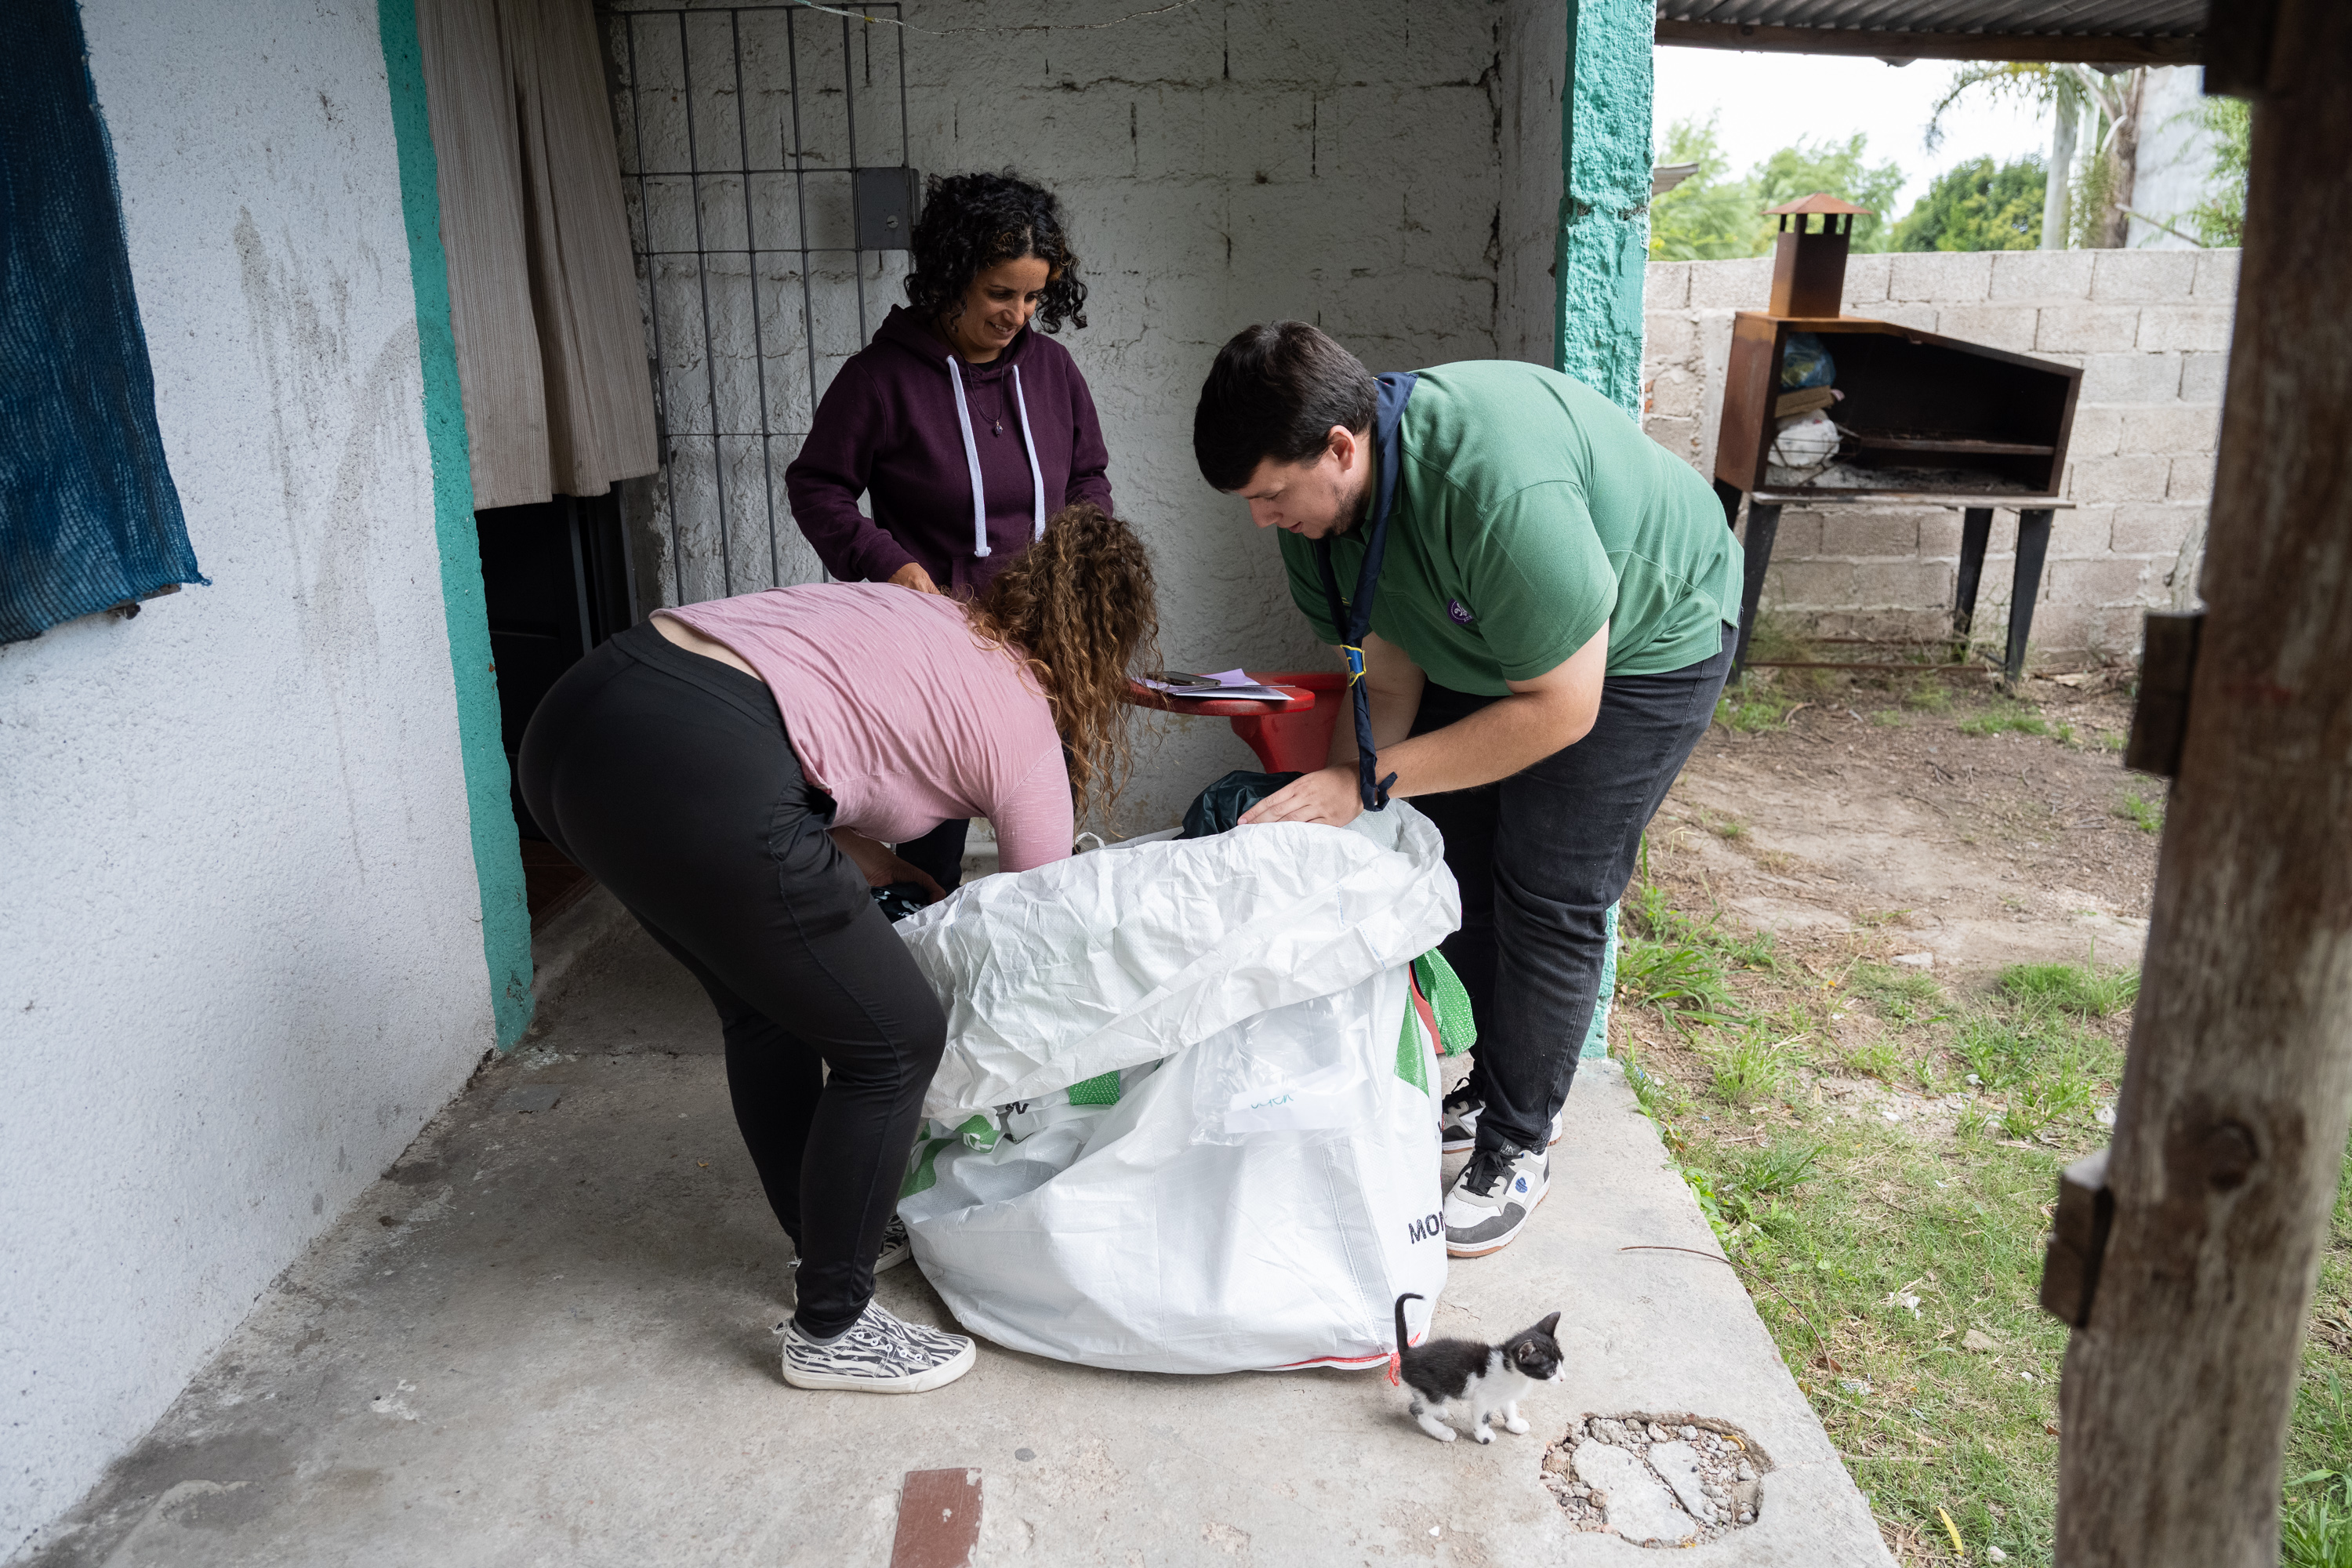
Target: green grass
(1871, 1249)
(1760, 950)
(2079, 988)
(2315, 1532)
(1737, 1196)
(2315, 1522)
(2141, 812)
(2045, 1065)
(1878, 1057)
(1901, 997)
(2062, 1094)
(1928, 697)
(1778, 1169)
(2006, 718)
(1749, 1065)
(1838, 1267)
(1685, 985)
(1751, 706)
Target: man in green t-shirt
(1542, 600)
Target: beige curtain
(542, 295)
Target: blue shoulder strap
(1353, 619)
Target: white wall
(243, 956)
(1233, 162)
(2174, 170)
(2150, 331)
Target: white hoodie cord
(972, 460)
(1036, 479)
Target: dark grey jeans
(1540, 857)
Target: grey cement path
(544, 1338)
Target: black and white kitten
(1489, 1379)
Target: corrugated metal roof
(2121, 18)
(2123, 30)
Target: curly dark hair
(971, 223)
(1078, 608)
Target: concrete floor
(544, 1338)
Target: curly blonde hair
(1078, 609)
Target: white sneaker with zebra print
(896, 1246)
(879, 1354)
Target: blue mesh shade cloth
(88, 517)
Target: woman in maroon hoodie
(966, 427)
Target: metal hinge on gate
(2167, 664)
(2078, 1240)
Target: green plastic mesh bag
(1457, 1031)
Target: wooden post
(2233, 1118)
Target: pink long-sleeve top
(898, 712)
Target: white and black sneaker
(896, 1246)
(1490, 1201)
(878, 1354)
(1457, 1123)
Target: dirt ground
(1869, 804)
(1815, 1011)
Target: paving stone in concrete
(1677, 1463)
(1640, 1510)
(546, 1338)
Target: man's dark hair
(1275, 392)
(971, 221)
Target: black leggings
(669, 777)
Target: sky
(1764, 102)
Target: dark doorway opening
(557, 579)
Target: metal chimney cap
(1819, 202)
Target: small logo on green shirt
(1461, 613)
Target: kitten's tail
(1404, 1339)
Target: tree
(1708, 218)
(2220, 217)
(1978, 205)
(2107, 104)
(1795, 173)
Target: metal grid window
(743, 133)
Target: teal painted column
(1604, 243)
(498, 850)
(1605, 217)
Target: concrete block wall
(1534, 69)
(2150, 331)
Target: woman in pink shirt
(735, 771)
